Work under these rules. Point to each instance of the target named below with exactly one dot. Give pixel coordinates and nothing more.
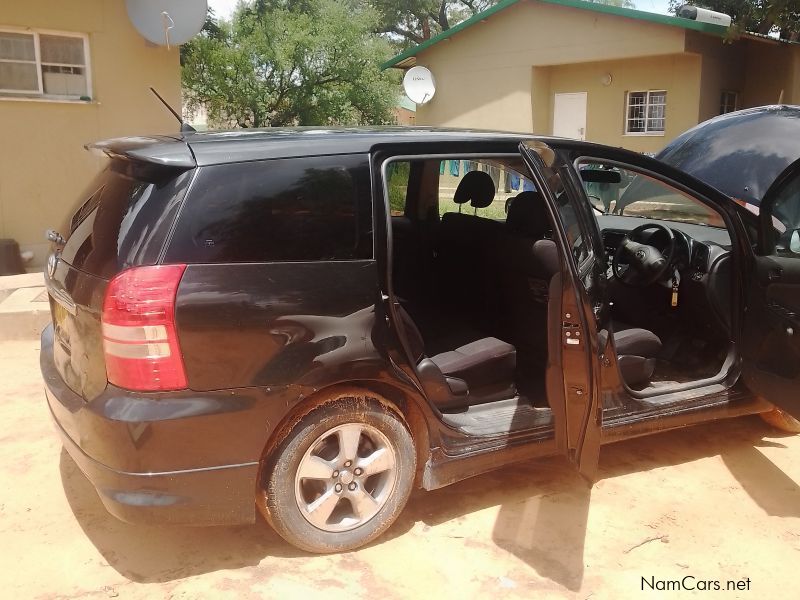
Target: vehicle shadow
(542, 518)
(544, 505)
(147, 554)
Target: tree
(411, 22)
(620, 3)
(291, 63)
(758, 16)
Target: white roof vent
(703, 15)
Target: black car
(310, 323)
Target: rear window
(125, 218)
(298, 209)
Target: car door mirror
(788, 242)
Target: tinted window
(294, 209)
(125, 220)
(579, 243)
(397, 175)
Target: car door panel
(570, 386)
(771, 347)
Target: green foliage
(281, 63)
(397, 175)
(409, 22)
(758, 16)
(620, 3)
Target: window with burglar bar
(44, 65)
(728, 102)
(646, 112)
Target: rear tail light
(139, 336)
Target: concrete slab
(13, 282)
(24, 313)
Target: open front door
(771, 345)
(575, 293)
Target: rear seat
(462, 262)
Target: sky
(224, 8)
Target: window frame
(404, 157)
(647, 104)
(39, 94)
(655, 177)
(723, 104)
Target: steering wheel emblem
(641, 254)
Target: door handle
(775, 274)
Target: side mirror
(789, 242)
(600, 176)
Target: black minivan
(311, 322)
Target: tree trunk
(443, 22)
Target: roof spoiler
(156, 150)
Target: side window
(298, 209)
(507, 182)
(580, 245)
(786, 219)
(397, 176)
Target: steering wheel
(645, 264)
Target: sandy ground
(717, 502)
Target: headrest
(477, 188)
(527, 215)
(547, 253)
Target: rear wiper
(55, 237)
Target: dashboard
(702, 256)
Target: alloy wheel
(345, 477)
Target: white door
(569, 115)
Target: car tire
(339, 476)
(781, 420)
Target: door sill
(730, 402)
(668, 394)
(502, 418)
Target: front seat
(524, 264)
(636, 353)
(475, 373)
(527, 216)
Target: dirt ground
(713, 502)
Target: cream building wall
(771, 68)
(485, 73)
(502, 73)
(678, 74)
(43, 166)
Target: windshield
(615, 190)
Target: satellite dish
(419, 85)
(167, 22)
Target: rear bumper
(204, 495)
